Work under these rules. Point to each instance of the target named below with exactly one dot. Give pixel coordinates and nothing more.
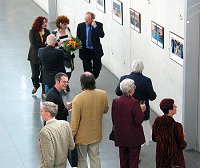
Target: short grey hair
(51, 107)
(91, 14)
(51, 39)
(137, 66)
(126, 85)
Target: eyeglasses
(65, 82)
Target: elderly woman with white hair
(143, 93)
(127, 116)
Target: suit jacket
(54, 141)
(127, 119)
(144, 90)
(35, 44)
(52, 63)
(169, 138)
(88, 108)
(55, 97)
(96, 34)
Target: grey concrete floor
(20, 120)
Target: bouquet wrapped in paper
(73, 44)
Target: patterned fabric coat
(168, 134)
(54, 140)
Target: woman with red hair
(169, 137)
(37, 38)
(63, 33)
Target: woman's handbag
(73, 157)
(112, 135)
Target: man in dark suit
(91, 52)
(144, 89)
(54, 95)
(52, 62)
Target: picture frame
(135, 20)
(157, 34)
(101, 5)
(117, 11)
(176, 47)
(88, 1)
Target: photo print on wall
(176, 48)
(117, 11)
(101, 5)
(157, 34)
(135, 20)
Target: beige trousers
(92, 150)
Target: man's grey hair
(137, 66)
(51, 39)
(51, 107)
(126, 85)
(91, 14)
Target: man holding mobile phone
(91, 52)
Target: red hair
(37, 24)
(61, 20)
(166, 105)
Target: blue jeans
(46, 89)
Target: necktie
(89, 38)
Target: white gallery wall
(43, 4)
(122, 44)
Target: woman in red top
(127, 115)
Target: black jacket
(35, 44)
(96, 34)
(55, 97)
(144, 90)
(52, 63)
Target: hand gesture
(68, 105)
(93, 24)
(143, 107)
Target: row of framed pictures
(157, 31)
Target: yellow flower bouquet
(72, 44)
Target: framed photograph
(176, 48)
(101, 5)
(88, 1)
(157, 34)
(117, 11)
(135, 20)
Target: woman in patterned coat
(169, 137)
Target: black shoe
(34, 90)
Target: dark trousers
(91, 63)
(36, 72)
(129, 157)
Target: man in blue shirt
(91, 52)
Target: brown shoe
(34, 90)
(43, 96)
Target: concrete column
(52, 7)
(191, 73)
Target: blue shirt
(88, 27)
